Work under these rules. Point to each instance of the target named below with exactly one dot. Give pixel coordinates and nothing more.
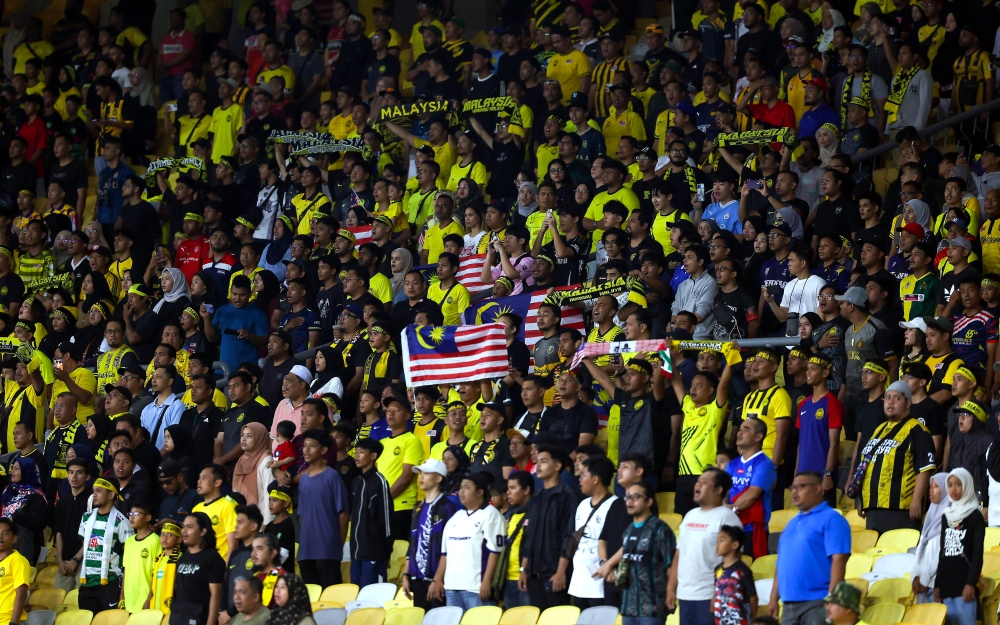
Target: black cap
(132, 368)
(495, 406)
(783, 227)
(169, 468)
(124, 392)
(284, 336)
(579, 100)
(402, 401)
(690, 33)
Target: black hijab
(270, 293)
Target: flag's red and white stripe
(571, 317)
(481, 353)
(617, 347)
(362, 235)
(470, 273)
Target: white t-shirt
(802, 296)
(697, 559)
(586, 560)
(465, 535)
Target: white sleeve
(494, 531)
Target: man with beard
(267, 557)
(817, 111)
(682, 178)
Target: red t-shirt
(35, 133)
(781, 116)
(172, 46)
(191, 255)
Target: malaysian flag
(526, 306)
(470, 273)
(572, 317)
(362, 235)
(452, 354)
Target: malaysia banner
(526, 306)
(362, 235)
(452, 354)
(470, 273)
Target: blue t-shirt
(774, 273)
(836, 274)
(376, 431)
(322, 498)
(726, 215)
(899, 267)
(807, 546)
(234, 350)
(815, 420)
(812, 120)
(757, 471)
(680, 275)
(971, 336)
(300, 333)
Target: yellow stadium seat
(110, 617)
(483, 615)
(397, 559)
(857, 565)
(315, 590)
(400, 594)
(665, 502)
(75, 617)
(340, 593)
(763, 567)
(345, 571)
(521, 615)
(32, 572)
(47, 598)
(325, 605)
(559, 615)
(662, 8)
(366, 616)
(901, 539)
(145, 617)
(854, 520)
(992, 538)
(878, 552)
(404, 616)
(396, 604)
(789, 504)
(990, 605)
(991, 563)
(890, 590)
(45, 577)
(62, 607)
(884, 614)
(779, 519)
(72, 597)
(926, 614)
(863, 540)
(673, 520)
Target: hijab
(825, 154)
(526, 209)
(102, 424)
(826, 40)
(932, 522)
(211, 295)
(450, 483)
(971, 184)
(922, 213)
(322, 377)
(270, 293)
(144, 90)
(968, 504)
(52, 340)
(83, 452)
(277, 248)
(181, 288)
(298, 606)
(100, 231)
(791, 217)
(183, 442)
(397, 276)
(245, 473)
(18, 493)
(66, 87)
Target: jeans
(170, 87)
(692, 613)
(642, 620)
(960, 612)
(465, 599)
(367, 572)
(513, 596)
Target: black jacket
(371, 507)
(550, 520)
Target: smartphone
(209, 308)
(231, 332)
(171, 107)
(755, 184)
(701, 192)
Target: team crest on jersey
(215, 519)
(638, 404)
(144, 553)
(820, 413)
(702, 412)
(397, 451)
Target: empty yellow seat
(857, 565)
(763, 567)
(926, 614)
(862, 540)
(340, 593)
(884, 614)
(315, 590)
(404, 616)
(521, 615)
(890, 590)
(395, 604)
(47, 598)
(779, 519)
(559, 615)
(145, 617)
(483, 615)
(673, 520)
(992, 538)
(46, 576)
(72, 597)
(110, 617)
(366, 616)
(854, 520)
(901, 539)
(665, 502)
(74, 617)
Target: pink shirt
(285, 412)
(172, 46)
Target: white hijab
(181, 288)
(826, 41)
(968, 504)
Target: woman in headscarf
(90, 337)
(179, 445)
(789, 28)
(63, 323)
(917, 211)
(82, 452)
(808, 322)
(204, 290)
(98, 429)
(267, 287)
(828, 137)
(791, 217)
(752, 226)
(925, 568)
(280, 249)
(24, 503)
(291, 600)
(970, 441)
(401, 262)
(326, 380)
(67, 87)
(706, 230)
(457, 462)
(141, 100)
(176, 295)
(96, 289)
(95, 233)
(252, 475)
(832, 18)
(527, 203)
(960, 559)
(583, 193)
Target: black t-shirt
(566, 424)
(507, 160)
(11, 289)
(447, 89)
(871, 414)
(73, 176)
(569, 270)
(643, 190)
(950, 282)
(272, 378)
(17, 177)
(195, 571)
(519, 356)
(733, 312)
(142, 219)
(491, 457)
(203, 427)
(933, 415)
(864, 137)
(285, 533)
(148, 327)
(327, 301)
(614, 525)
(840, 215)
(260, 129)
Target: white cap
(432, 465)
(302, 373)
(917, 323)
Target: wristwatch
(522, 569)
(828, 473)
(76, 559)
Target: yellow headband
(972, 409)
(246, 223)
(989, 282)
(635, 366)
(6, 252)
(277, 494)
(875, 368)
(822, 362)
(966, 373)
(106, 485)
(768, 357)
(193, 313)
(798, 353)
(171, 528)
(193, 217)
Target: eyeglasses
(556, 169)
(826, 296)
(242, 145)
(112, 331)
(634, 497)
(134, 515)
(774, 235)
(676, 151)
(719, 270)
(90, 230)
(128, 376)
(716, 246)
(296, 246)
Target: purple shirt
(322, 498)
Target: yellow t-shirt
(190, 129)
(426, 434)
(544, 155)
(397, 451)
(434, 239)
(444, 155)
(568, 70)
(37, 89)
(24, 51)
(138, 561)
(452, 303)
(85, 380)
(626, 124)
(437, 450)
(474, 170)
(16, 573)
(381, 287)
(514, 566)
(613, 430)
(662, 225)
(307, 209)
(222, 512)
(282, 70)
(989, 238)
(219, 399)
(596, 209)
(417, 37)
(699, 436)
(769, 406)
(394, 212)
(131, 39)
(420, 206)
(214, 12)
(194, 17)
(225, 127)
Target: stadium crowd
(216, 248)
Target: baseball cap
(726, 107)
(854, 295)
(914, 324)
(432, 465)
(960, 242)
(975, 408)
(121, 390)
(229, 81)
(690, 33)
(512, 432)
(434, 29)
(579, 100)
(609, 35)
(784, 228)
(961, 223)
(355, 310)
(495, 406)
(297, 262)
(384, 220)
(913, 228)
(859, 101)
(395, 399)
(170, 468)
(685, 106)
(819, 82)
(132, 368)
(940, 323)
(283, 335)
(302, 373)
(654, 29)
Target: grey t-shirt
(916, 104)
(304, 68)
(260, 618)
(547, 350)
